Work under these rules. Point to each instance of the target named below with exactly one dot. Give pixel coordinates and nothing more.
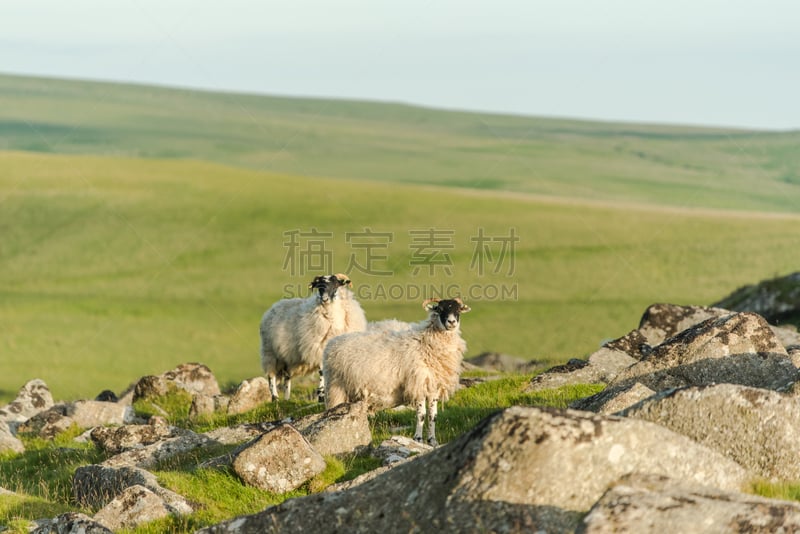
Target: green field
(142, 227)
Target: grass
(118, 268)
(42, 474)
(395, 143)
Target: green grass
(118, 268)
(42, 474)
(672, 165)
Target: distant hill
(665, 165)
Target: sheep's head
(327, 286)
(447, 313)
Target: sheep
(388, 325)
(294, 331)
(420, 365)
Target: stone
(504, 363)
(194, 378)
(612, 400)
(661, 321)
(775, 299)
(738, 348)
(279, 461)
(149, 456)
(70, 523)
(49, 423)
(207, 405)
(343, 429)
(116, 440)
(8, 441)
(97, 485)
(33, 398)
(758, 428)
(233, 435)
(651, 503)
(89, 413)
(398, 449)
(134, 506)
(520, 470)
(249, 395)
(601, 367)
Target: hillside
(116, 267)
(671, 165)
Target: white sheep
(420, 365)
(294, 332)
(388, 325)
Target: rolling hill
(144, 227)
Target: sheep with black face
(419, 365)
(294, 332)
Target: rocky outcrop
(776, 300)
(70, 523)
(119, 439)
(279, 461)
(738, 348)
(758, 428)
(8, 441)
(134, 506)
(343, 429)
(659, 504)
(33, 398)
(249, 395)
(194, 378)
(522, 469)
(612, 400)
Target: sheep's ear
(464, 308)
(344, 280)
(430, 304)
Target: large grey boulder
(70, 523)
(775, 299)
(8, 441)
(33, 398)
(134, 506)
(602, 367)
(119, 439)
(661, 321)
(523, 469)
(249, 395)
(97, 485)
(343, 429)
(738, 348)
(660, 504)
(758, 428)
(149, 455)
(278, 461)
(612, 400)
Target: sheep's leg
(321, 388)
(432, 410)
(273, 387)
(420, 419)
(287, 386)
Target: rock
(519, 470)
(612, 400)
(232, 435)
(601, 367)
(279, 461)
(49, 423)
(775, 300)
(398, 449)
(132, 507)
(504, 363)
(659, 504)
(97, 485)
(87, 413)
(150, 455)
(70, 523)
(758, 428)
(107, 396)
(343, 429)
(206, 405)
(249, 395)
(8, 441)
(116, 440)
(194, 378)
(33, 398)
(661, 321)
(739, 348)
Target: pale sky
(703, 62)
